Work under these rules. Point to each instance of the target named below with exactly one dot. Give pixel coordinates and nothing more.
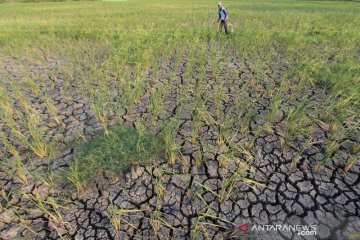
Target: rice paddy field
(141, 120)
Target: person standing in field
(222, 17)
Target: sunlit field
(140, 119)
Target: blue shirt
(222, 14)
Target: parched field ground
(261, 126)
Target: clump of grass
(113, 153)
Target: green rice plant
(52, 109)
(101, 115)
(141, 129)
(21, 220)
(171, 147)
(46, 179)
(298, 156)
(31, 84)
(354, 236)
(29, 111)
(197, 126)
(297, 115)
(274, 109)
(200, 66)
(28, 119)
(256, 135)
(74, 176)
(297, 121)
(159, 188)
(330, 150)
(227, 134)
(138, 91)
(9, 146)
(6, 197)
(243, 105)
(17, 170)
(125, 102)
(239, 148)
(201, 225)
(229, 184)
(116, 216)
(340, 79)
(190, 63)
(7, 108)
(49, 208)
(335, 137)
(220, 96)
(157, 174)
(198, 158)
(227, 187)
(156, 102)
(157, 221)
(38, 144)
(246, 119)
(350, 163)
(208, 189)
(206, 116)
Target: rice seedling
(52, 110)
(156, 102)
(229, 184)
(298, 156)
(21, 220)
(171, 147)
(30, 120)
(157, 174)
(17, 170)
(350, 163)
(297, 116)
(203, 222)
(297, 121)
(274, 109)
(117, 216)
(9, 146)
(45, 178)
(101, 114)
(49, 207)
(27, 108)
(219, 96)
(75, 177)
(354, 236)
(157, 221)
(31, 84)
(38, 144)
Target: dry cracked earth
(180, 201)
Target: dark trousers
(223, 24)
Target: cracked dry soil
(297, 194)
